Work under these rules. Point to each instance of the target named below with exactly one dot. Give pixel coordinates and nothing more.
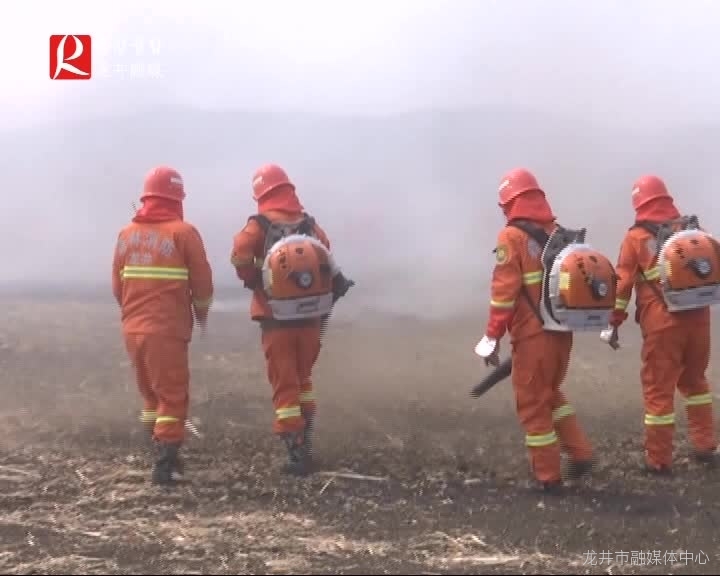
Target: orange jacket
(518, 266)
(160, 273)
(637, 268)
(247, 257)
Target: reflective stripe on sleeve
(531, 278)
(502, 303)
(253, 261)
(203, 303)
(238, 262)
(651, 273)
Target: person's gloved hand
(610, 336)
(489, 350)
(341, 285)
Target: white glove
(610, 336)
(485, 347)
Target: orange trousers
(290, 354)
(163, 377)
(540, 364)
(676, 357)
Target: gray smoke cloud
(395, 120)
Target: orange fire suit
(675, 353)
(160, 274)
(539, 358)
(291, 347)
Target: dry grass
(414, 474)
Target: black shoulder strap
(541, 237)
(308, 224)
(532, 230)
(651, 227)
(261, 219)
(655, 227)
(264, 222)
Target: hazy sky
(622, 59)
(633, 67)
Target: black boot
(708, 458)
(298, 464)
(165, 464)
(579, 468)
(151, 447)
(549, 488)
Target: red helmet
(267, 178)
(164, 182)
(646, 189)
(515, 183)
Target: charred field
(413, 475)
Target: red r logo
(70, 57)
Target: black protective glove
(341, 285)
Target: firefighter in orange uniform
(160, 276)
(294, 287)
(540, 358)
(676, 343)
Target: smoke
(409, 201)
(396, 123)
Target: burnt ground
(444, 485)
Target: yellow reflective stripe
(237, 262)
(651, 274)
(250, 261)
(166, 420)
(621, 304)
(307, 396)
(540, 440)
(290, 412)
(665, 420)
(699, 400)
(562, 412)
(530, 278)
(148, 416)
(203, 303)
(668, 268)
(564, 281)
(155, 272)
